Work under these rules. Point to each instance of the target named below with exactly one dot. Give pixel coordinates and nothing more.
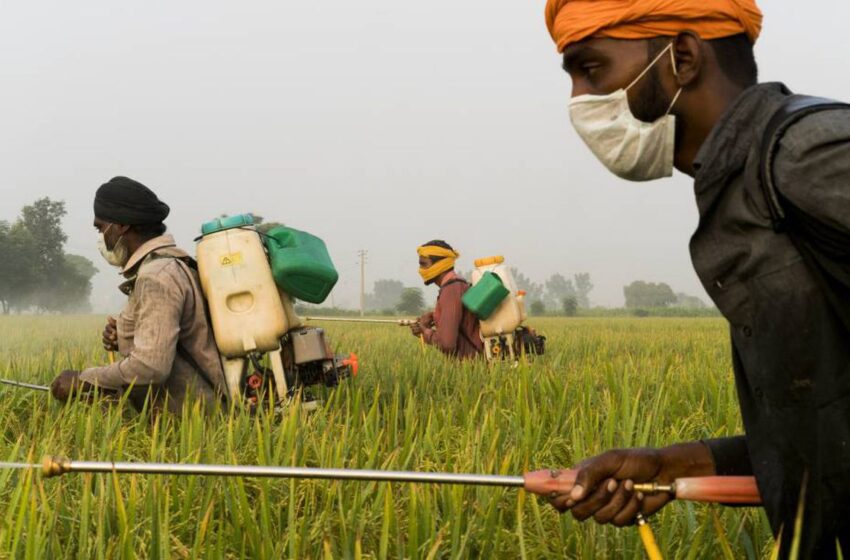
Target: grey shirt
(165, 310)
(791, 352)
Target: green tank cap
(230, 222)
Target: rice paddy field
(604, 383)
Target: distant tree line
(35, 272)
(389, 297)
(557, 295)
(643, 295)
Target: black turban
(128, 202)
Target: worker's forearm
(107, 377)
(687, 460)
(129, 371)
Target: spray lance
(547, 483)
(399, 322)
(21, 385)
(731, 490)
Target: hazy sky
(376, 124)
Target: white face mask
(118, 256)
(628, 147)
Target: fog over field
(376, 124)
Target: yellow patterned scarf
(446, 263)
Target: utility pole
(362, 253)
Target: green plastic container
(301, 265)
(484, 297)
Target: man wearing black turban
(163, 335)
(125, 201)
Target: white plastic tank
(245, 306)
(510, 314)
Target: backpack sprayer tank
(249, 281)
(495, 300)
(246, 309)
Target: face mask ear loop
(675, 73)
(673, 61)
(651, 64)
(109, 227)
(675, 98)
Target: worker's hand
(416, 329)
(110, 335)
(427, 320)
(604, 484)
(67, 383)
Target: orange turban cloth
(570, 21)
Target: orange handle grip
(546, 483)
(741, 490)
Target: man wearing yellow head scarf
(664, 84)
(450, 326)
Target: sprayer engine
(311, 361)
(307, 361)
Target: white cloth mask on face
(118, 256)
(628, 147)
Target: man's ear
(121, 229)
(689, 53)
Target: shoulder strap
(792, 110)
(191, 263)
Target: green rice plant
(605, 382)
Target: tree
(570, 306)
(72, 290)
(8, 269)
(412, 302)
(36, 273)
(648, 294)
(558, 288)
(538, 308)
(583, 289)
(386, 294)
(43, 219)
(689, 302)
(19, 273)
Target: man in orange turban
(658, 84)
(572, 21)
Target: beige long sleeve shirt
(165, 309)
